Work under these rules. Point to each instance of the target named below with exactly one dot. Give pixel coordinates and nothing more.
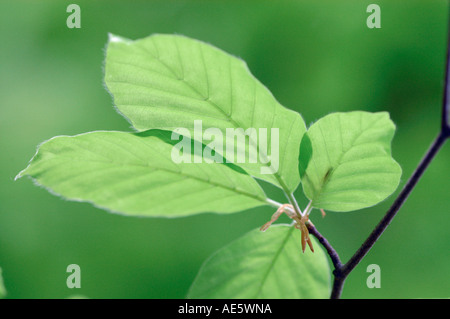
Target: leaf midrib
(235, 190)
(207, 99)
(338, 162)
(273, 262)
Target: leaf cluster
(166, 82)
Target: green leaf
(169, 81)
(134, 174)
(351, 165)
(2, 287)
(264, 265)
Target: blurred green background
(316, 57)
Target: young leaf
(169, 81)
(351, 165)
(264, 265)
(134, 174)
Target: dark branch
(338, 279)
(406, 191)
(342, 271)
(324, 242)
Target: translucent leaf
(170, 81)
(350, 164)
(264, 265)
(134, 174)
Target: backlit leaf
(265, 265)
(134, 174)
(170, 81)
(350, 164)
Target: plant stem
(308, 208)
(324, 242)
(342, 271)
(384, 223)
(294, 203)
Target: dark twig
(333, 255)
(324, 242)
(342, 271)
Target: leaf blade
(264, 265)
(351, 165)
(133, 174)
(168, 81)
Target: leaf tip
(19, 175)
(112, 38)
